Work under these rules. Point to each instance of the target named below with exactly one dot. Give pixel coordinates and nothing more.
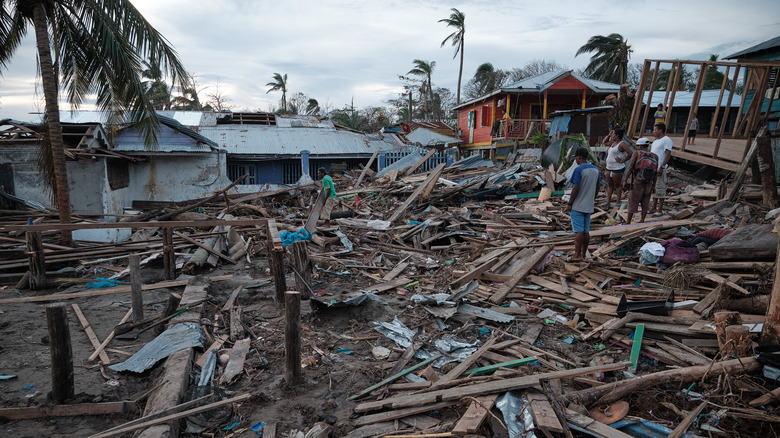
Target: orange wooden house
(504, 115)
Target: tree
(279, 84)
(610, 60)
(713, 79)
(348, 117)
(97, 49)
(312, 107)
(485, 80)
(424, 69)
(533, 68)
(157, 89)
(218, 100)
(457, 20)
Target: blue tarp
(288, 238)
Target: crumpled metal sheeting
(402, 336)
(517, 416)
(176, 338)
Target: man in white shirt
(662, 147)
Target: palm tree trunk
(49, 80)
(460, 72)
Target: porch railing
(511, 129)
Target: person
(660, 114)
(330, 193)
(692, 129)
(586, 179)
(708, 237)
(662, 147)
(642, 169)
(617, 155)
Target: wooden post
(303, 267)
(766, 166)
(37, 260)
(170, 306)
(276, 260)
(135, 288)
(723, 320)
(770, 335)
(292, 337)
(169, 256)
(62, 382)
(738, 341)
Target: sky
(340, 52)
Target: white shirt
(660, 146)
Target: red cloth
(714, 233)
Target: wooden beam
(152, 224)
(93, 339)
(433, 176)
(108, 408)
(522, 271)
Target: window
(485, 116)
(291, 172)
(237, 170)
(118, 173)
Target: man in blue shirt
(586, 179)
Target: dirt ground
(336, 350)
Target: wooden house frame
(723, 148)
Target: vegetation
(610, 57)
(279, 84)
(424, 70)
(457, 20)
(88, 48)
(485, 80)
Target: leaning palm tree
(279, 84)
(457, 19)
(97, 48)
(610, 60)
(424, 69)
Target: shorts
(692, 133)
(580, 222)
(328, 207)
(640, 195)
(611, 172)
(660, 185)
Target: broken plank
(106, 291)
(108, 408)
(464, 365)
(216, 345)
(235, 365)
(474, 273)
(431, 180)
(475, 414)
(400, 413)
(542, 412)
(229, 304)
(491, 387)
(505, 288)
(90, 334)
(396, 271)
(393, 284)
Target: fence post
(382, 161)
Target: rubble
(448, 293)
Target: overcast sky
(339, 51)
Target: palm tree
(424, 69)
(610, 60)
(312, 107)
(280, 84)
(457, 19)
(98, 47)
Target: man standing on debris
(662, 147)
(586, 180)
(643, 171)
(330, 193)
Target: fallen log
(612, 392)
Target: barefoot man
(586, 180)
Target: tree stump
(723, 320)
(62, 381)
(738, 342)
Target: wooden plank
(492, 387)
(106, 291)
(410, 170)
(400, 413)
(432, 178)
(229, 303)
(368, 166)
(217, 344)
(770, 397)
(751, 242)
(314, 216)
(505, 288)
(153, 224)
(235, 365)
(109, 337)
(542, 412)
(549, 284)
(474, 273)
(464, 365)
(597, 428)
(396, 271)
(93, 339)
(205, 247)
(689, 419)
(381, 287)
(475, 414)
(107, 408)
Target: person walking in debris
(617, 155)
(692, 129)
(660, 114)
(662, 147)
(586, 179)
(330, 193)
(642, 170)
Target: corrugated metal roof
(427, 137)
(709, 98)
(270, 140)
(766, 45)
(300, 121)
(542, 81)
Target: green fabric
(327, 182)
